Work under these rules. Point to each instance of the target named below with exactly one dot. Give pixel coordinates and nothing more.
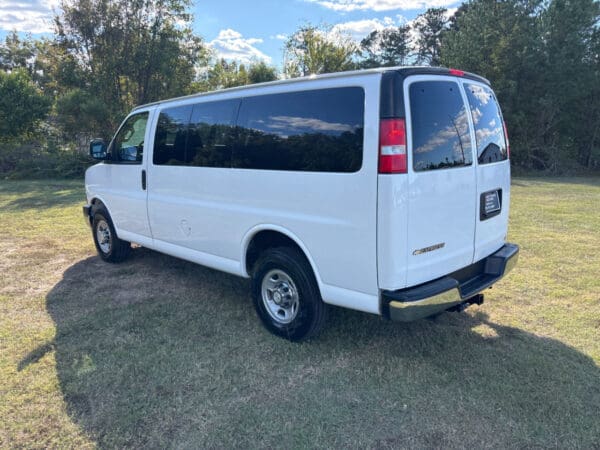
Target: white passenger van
(386, 191)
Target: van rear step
(458, 288)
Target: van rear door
(442, 178)
(493, 169)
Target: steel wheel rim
(103, 236)
(280, 296)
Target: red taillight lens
(506, 139)
(392, 146)
(456, 72)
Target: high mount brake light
(456, 72)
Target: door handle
(144, 180)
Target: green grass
(157, 352)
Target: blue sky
(250, 30)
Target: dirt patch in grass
(158, 352)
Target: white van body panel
(206, 259)
(392, 231)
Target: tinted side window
(317, 131)
(212, 134)
(440, 127)
(489, 131)
(128, 144)
(171, 136)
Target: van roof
(403, 71)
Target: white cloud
(358, 29)
(279, 37)
(34, 16)
(413, 33)
(380, 5)
(229, 34)
(230, 44)
(451, 12)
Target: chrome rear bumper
(447, 292)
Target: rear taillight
(506, 139)
(456, 72)
(392, 146)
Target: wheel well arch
(97, 203)
(263, 238)
(94, 204)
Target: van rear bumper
(454, 289)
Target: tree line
(107, 56)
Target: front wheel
(109, 246)
(286, 295)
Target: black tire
(111, 248)
(310, 311)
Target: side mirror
(98, 149)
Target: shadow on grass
(43, 194)
(159, 352)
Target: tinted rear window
(318, 131)
(489, 131)
(439, 125)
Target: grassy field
(157, 352)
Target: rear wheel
(286, 295)
(109, 246)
